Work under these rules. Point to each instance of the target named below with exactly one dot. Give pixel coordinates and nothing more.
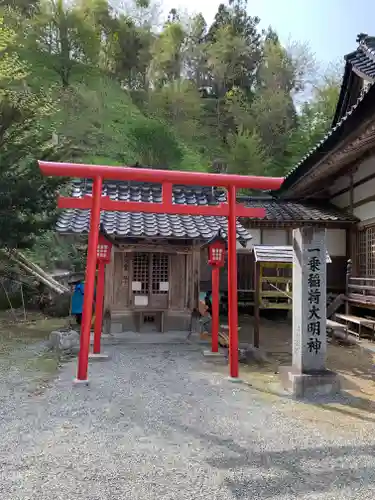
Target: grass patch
(22, 350)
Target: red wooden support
(232, 284)
(88, 297)
(159, 176)
(99, 307)
(221, 210)
(215, 309)
(167, 178)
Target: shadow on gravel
(289, 472)
(298, 480)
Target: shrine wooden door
(150, 280)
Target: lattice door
(366, 252)
(159, 291)
(150, 280)
(141, 279)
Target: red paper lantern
(216, 251)
(104, 249)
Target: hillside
(80, 81)
(104, 125)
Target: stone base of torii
(308, 376)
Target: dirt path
(161, 422)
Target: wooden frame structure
(97, 202)
(153, 284)
(273, 277)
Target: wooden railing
(361, 289)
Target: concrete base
(210, 354)
(234, 380)
(78, 382)
(98, 357)
(305, 385)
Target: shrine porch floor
(163, 422)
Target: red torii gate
(166, 178)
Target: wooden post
(215, 309)
(348, 276)
(99, 307)
(257, 286)
(351, 192)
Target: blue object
(77, 298)
(202, 295)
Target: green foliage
(91, 81)
(54, 251)
(27, 200)
(247, 154)
(155, 143)
(166, 52)
(314, 121)
(179, 104)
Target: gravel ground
(157, 422)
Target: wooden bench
(334, 325)
(356, 320)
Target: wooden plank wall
(108, 283)
(196, 277)
(245, 267)
(177, 276)
(121, 280)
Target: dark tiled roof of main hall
(296, 211)
(126, 224)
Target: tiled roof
(362, 59)
(125, 224)
(294, 211)
(359, 68)
(272, 253)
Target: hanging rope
(279, 290)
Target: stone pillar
(308, 374)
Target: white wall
(275, 237)
(255, 233)
(336, 242)
(365, 190)
(269, 237)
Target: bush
(155, 143)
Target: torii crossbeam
(166, 178)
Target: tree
(25, 7)
(247, 155)
(314, 120)
(155, 143)
(66, 34)
(233, 40)
(27, 199)
(179, 103)
(129, 55)
(167, 58)
(195, 53)
(272, 109)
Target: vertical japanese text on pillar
(314, 264)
